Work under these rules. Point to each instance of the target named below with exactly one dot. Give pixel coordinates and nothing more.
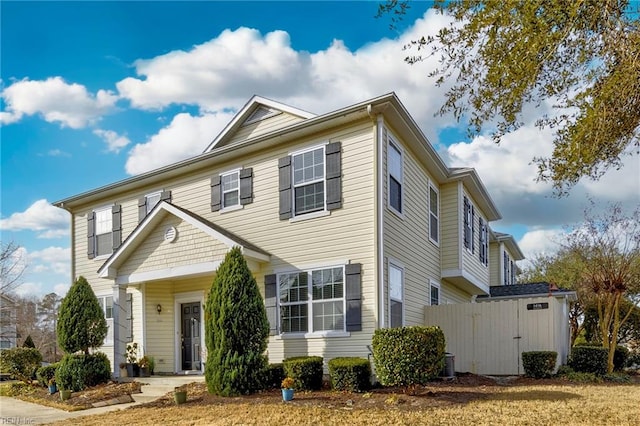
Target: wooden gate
(489, 337)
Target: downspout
(379, 214)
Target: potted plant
(131, 356)
(123, 370)
(179, 395)
(287, 389)
(52, 386)
(145, 366)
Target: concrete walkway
(16, 412)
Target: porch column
(119, 327)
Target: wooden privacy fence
(489, 337)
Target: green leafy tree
(81, 323)
(496, 57)
(28, 342)
(236, 328)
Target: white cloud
(114, 141)
(56, 260)
(540, 241)
(61, 289)
(29, 289)
(42, 217)
(57, 153)
(184, 137)
(71, 105)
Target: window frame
(393, 264)
(310, 302)
(468, 224)
(435, 285)
(505, 267)
(483, 243)
(437, 216)
(237, 205)
(102, 300)
(148, 196)
(109, 211)
(294, 186)
(391, 143)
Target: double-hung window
(433, 214)
(106, 303)
(469, 228)
(103, 232)
(230, 189)
(394, 166)
(484, 242)
(505, 268)
(312, 301)
(308, 181)
(434, 293)
(396, 296)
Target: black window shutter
(165, 196)
(473, 229)
(216, 194)
(284, 186)
(116, 221)
(466, 222)
(271, 302)
(129, 318)
(481, 238)
(142, 209)
(246, 186)
(353, 276)
(334, 175)
(91, 235)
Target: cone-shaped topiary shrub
(237, 330)
(81, 322)
(28, 343)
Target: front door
(191, 336)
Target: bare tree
(12, 266)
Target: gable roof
(527, 290)
(255, 109)
(470, 178)
(144, 228)
(508, 241)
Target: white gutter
(379, 162)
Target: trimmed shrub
(81, 322)
(633, 361)
(236, 330)
(620, 356)
(408, 355)
(617, 378)
(539, 364)
(79, 371)
(46, 373)
(589, 359)
(305, 370)
(274, 374)
(20, 363)
(576, 376)
(350, 374)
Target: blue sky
(94, 92)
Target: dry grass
(513, 405)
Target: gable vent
(260, 114)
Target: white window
(312, 301)
(469, 228)
(396, 296)
(308, 181)
(103, 229)
(230, 189)
(433, 215)
(484, 242)
(434, 293)
(106, 302)
(152, 200)
(394, 166)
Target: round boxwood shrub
(539, 364)
(79, 371)
(350, 374)
(20, 363)
(305, 370)
(46, 373)
(589, 359)
(408, 355)
(274, 376)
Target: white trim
(436, 284)
(234, 206)
(302, 151)
(436, 190)
(453, 273)
(178, 299)
(379, 164)
(399, 266)
(101, 296)
(301, 267)
(231, 208)
(108, 208)
(271, 113)
(313, 335)
(391, 141)
(310, 147)
(312, 215)
(173, 272)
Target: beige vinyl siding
(452, 294)
(160, 328)
(495, 272)
(450, 226)
(406, 238)
(263, 127)
(345, 235)
(471, 260)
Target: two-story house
(350, 221)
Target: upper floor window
(433, 214)
(469, 214)
(512, 268)
(149, 201)
(230, 189)
(396, 296)
(310, 181)
(506, 272)
(484, 242)
(152, 200)
(435, 293)
(394, 166)
(312, 300)
(103, 229)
